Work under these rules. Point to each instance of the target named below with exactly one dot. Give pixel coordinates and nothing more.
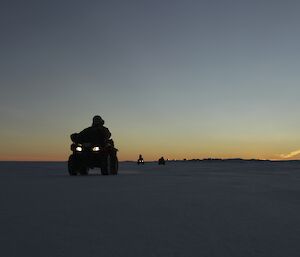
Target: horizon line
(172, 160)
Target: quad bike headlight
(78, 148)
(96, 148)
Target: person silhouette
(140, 160)
(95, 134)
(161, 161)
(93, 147)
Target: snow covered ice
(182, 209)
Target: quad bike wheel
(110, 165)
(83, 171)
(114, 165)
(73, 166)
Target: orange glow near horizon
(152, 143)
(148, 156)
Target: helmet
(97, 121)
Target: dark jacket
(94, 134)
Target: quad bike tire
(83, 171)
(73, 166)
(110, 165)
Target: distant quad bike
(140, 160)
(161, 161)
(87, 156)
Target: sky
(173, 78)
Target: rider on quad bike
(92, 147)
(140, 160)
(96, 134)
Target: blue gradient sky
(183, 79)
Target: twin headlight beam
(95, 149)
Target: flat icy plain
(183, 209)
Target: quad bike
(140, 160)
(161, 161)
(87, 156)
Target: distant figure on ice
(161, 161)
(95, 134)
(140, 160)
